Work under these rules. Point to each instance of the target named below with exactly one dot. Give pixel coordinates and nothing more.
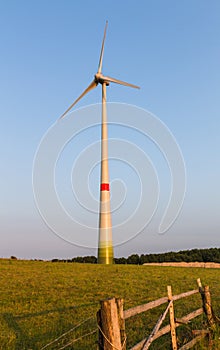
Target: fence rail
(152, 304)
(111, 320)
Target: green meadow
(42, 300)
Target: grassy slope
(41, 300)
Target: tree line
(200, 255)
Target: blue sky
(49, 54)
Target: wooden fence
(111, 320)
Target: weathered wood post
(206, 301)
(208, 307)
(109, 325)
(172, 319)
(120, 306)
(199, 283)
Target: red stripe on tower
(104, 187)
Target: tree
(133, 259)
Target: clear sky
(49, 54)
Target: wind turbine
(105, 246)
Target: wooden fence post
(172, 319)
(100, 337)
(206, 301)
(208, 307)
(109, 325)
(199, 283)
(120, 306)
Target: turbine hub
(100, 79)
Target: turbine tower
(105, 246)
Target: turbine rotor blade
(102, 49)
(89, 88)
(113, 80)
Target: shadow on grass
(21, 338)
(23, 341)
(59, 310)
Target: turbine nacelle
(100, 79)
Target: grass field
(42, 300)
